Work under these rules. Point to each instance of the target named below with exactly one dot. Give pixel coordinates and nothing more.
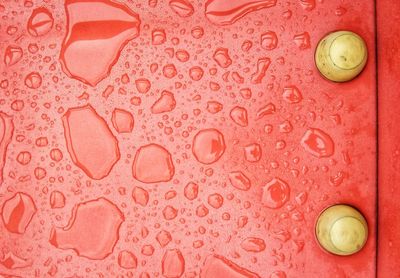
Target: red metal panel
(180, 138)
(389, 134)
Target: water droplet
(56, 155)
(201, 210)
(208, 146)
(317, 143)
(215, 200)
(12, 261)
(252, 152)
(97, 31)
(24, 158)
(122, 120)
(247, 45)
(182, 55)
(239, 180)
(165, 103)
(301, 198)
(182, 8)
(169, 71)
(268, 109)
(191, 191)
(93, 229)
(269, 40)
(302, 40)
(33, 80)
(90, 142)
(246, 93)
(285, 127)
(214, 107)
(292, 94)
(221, 57)
(152, 3)
(127, 260)
(275, 193)
(40, 173)
(158, 36)
(237, 77)
(57, 199)
(218, 266)
(169, 212)
(12, 55)
(41, 142)
(196, 73)
(173, 264)
(153, 163)
(17, 212)
(282, 235)
(253, 244)
(17, 105)
(163, 238)
(239, 116)
(147, 250)
(308, 5)
(262, 67)
(143, 85)
(340, 11)
(226, 12)
(6, 134)
(40, 22)
(337, 179)
(242, 221)
(278, 274)
(197, 32)
(140, 196)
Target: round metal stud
(341, 230)
(341, 56)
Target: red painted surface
(389, 134)
(180, 138)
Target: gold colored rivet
(341, 56)
(341, 230)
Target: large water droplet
(292, 94)
(182, 8)
(269, 40)
(90, 142)
(6, 134)
(165, 103)
(33, 80)
(40, 22)
(127, 260)
(239, 116)
(122, 120)
(173, 264)
(208, 146)
(262, 67)
(253, 244)
(140, 196)
(153, 163)
(239, 180)
(252, 152)
(221, 56)
(93, 229)
(225, 12)
(17, 212)
(12, 55)
(275, 193)
(191, 191)
(317, 143)
(96, 33)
